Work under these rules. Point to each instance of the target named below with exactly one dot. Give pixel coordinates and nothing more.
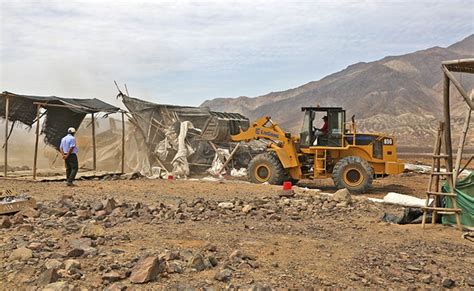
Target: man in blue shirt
(68, 149)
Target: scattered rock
(426, 278)
(17, 219)
(47, 277)
(223, 275)
(226, 205)
(101, 213)
(84, 213)
(96, 205)
(146, 270)
(470, 281)
(35, 245)
(80, 243)
(286, 193)
(413, 268)
(53, 264)
(5, 222)
(197, 263)
(116, 287)
(236, 256)
(22, 254)
(57, 286)
(247, 208)
(342, 195)
(109, 205)
(111, 276)
(92, 230)
(448, 283)
(29, 212)
(26, 227)
(72, 264)
(174, 267)
(74, 253)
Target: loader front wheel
(353, 173)
(266, 168)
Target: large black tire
(266, 167)
(353, 173)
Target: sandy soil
(294, 247)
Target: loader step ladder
(320, 170)
(434, 185)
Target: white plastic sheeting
(180, 160)
(217, 164)
(401, 199)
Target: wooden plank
(230, 158)
(7, 108)
(94, 153)
(35, 161)
(460, 150)
(123, 143)
(447, 124)
(45, 104)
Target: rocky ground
(148, 234)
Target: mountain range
(399, 95)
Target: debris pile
(185, 140)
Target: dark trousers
(71, 167)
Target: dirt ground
(301, 241)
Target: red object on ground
(287, 185)
(170, 177)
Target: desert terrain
(150, 234)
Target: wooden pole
(38, 108)
(462, 139)
(123, 142)
(447, 125)
(230, 158)
(94, 157)
(7, 108)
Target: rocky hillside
(401, 95)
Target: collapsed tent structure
(183, 140)
(60, 114)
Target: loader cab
(312, 120)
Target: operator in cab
(323, 131)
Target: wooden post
(447, 124)
(38, 108)
(462, 139)
(229, 159)
(458, 86)
(7, 108)
(94, 157)
(123, 142)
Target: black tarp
(22, 108)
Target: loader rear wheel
(353, 173)
(266, 168)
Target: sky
(184, 52)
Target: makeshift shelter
(463, 188)
(60, 114)
(181, 139)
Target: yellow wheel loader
(352, 159)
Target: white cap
(71, 130)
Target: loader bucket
(221, 125)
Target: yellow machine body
(307, 161)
